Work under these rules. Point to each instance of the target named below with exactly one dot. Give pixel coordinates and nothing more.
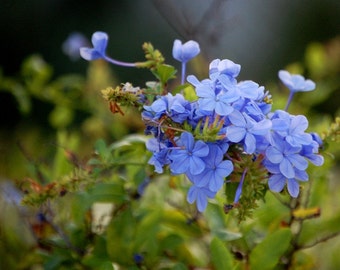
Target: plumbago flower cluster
(226, 135)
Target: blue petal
(223, 109)
(187, 140)
(277, 182)
(286, 168)
(237, 119)
(298, 161)
(235, 134)
(99, 41)
(274, 155)
(177, 50)
(190, 50)
(205, 91)
(89, 54)
(196, 165)
(250, 143)
(200, 149)
(293, 187)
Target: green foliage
(266, 254)
(110, 210)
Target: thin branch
(318, 241)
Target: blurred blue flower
(187, 157)
(200, 195)
(296, 83)
(72, 45)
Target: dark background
(261, 35)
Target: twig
(318, 241)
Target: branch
(318, 241)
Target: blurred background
(262, 36)
(50, 98)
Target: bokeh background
(263, 36)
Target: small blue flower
(295, 83)
(176, 107)
(212, 99)
(160, 154)
(200, 195)
(278, 181)
(296, 133)
(188, 156)
(216, 169)
(227, 67)
(243, 127)
(99, 42)
(288, 157)
(185, 52)
(311, 153)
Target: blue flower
(287, 157)
(243, 127)
(187, 157)
(227, 67)
(296, 134)
(210, 101)
(160, 154)
(278, 181)
(311, 153)
(200, 195)
(296, 83)
(185, 52)
(99, 42)
(216, 169)
(176, 107)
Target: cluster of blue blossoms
(240, 113)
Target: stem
(119, 63)
(289, 100)
(183, 72)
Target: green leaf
(108, 192)
(220, 255)
(146, 240)
(102, 150)
(266, 254)
(164, 73)
(121, 236)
